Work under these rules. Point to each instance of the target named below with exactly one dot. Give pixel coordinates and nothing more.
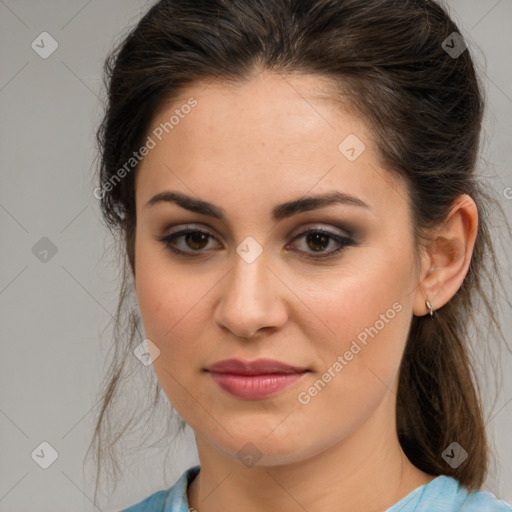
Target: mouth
(254, 380)
(257, 367)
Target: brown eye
(196, 240)
(317, 241)
(187, 242)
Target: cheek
(169, 306)
(369, 316)
(171, 303)
(364, 316)
(174, 306)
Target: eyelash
(344, 242)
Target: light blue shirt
(443, 494)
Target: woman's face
(253, 285)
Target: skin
(246, 148)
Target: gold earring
(430, 309)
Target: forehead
(257, 108)
(277, 135)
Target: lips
(257, 367)
(255, 380)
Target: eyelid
(343, 229)
(191, 227)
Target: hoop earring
(430, 309)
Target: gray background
(54, 314)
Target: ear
(446, 257)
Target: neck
(366, 472)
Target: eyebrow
(279, 212)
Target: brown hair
(424, 108)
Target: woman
(293, 182)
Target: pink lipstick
(254, 380)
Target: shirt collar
(177, 500)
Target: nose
(251, 299)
